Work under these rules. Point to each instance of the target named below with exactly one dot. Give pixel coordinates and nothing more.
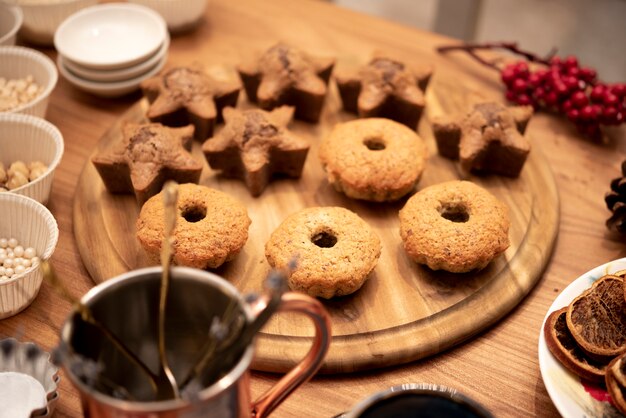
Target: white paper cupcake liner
(29, 359)
(32, 224)
(43, 17)
(28, 138)
(18, 62)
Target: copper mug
(128, 307)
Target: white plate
(565, 388)
(110, 36)
(117, 75)
(104, 89)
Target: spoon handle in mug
(310, 364)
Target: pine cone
(616, 202)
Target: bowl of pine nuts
(27, 77)
(30, 151)
(28, 234)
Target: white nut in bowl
(180, 15)
(20, 69)
(30, 224)
(29, 139)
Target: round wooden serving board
(404, 311)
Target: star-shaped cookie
(284, 75)
(183, 95)
(385, 88)
(489, 138)
(148, 155)
(254, 145)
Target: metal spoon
(167, 390)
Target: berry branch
(556, 84)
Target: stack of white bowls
(109, 49)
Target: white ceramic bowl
(29, 359)
(110, 36)
(108, 89)
(19, 62)
(11, 18)
(32, 224)
(180, 15)
(43, 17)
(28, 138)
(116, 75)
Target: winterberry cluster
(570, 89)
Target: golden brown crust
(183, 95)
(284, 75)
(373, 159)
(325, 269)
(254, 145)
(211, 227)
(148, 155)
(455, 226)
(385, 87)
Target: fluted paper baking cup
(28, 138)
(18, 62)
(32, 224)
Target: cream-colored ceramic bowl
(180, 15)
(43, 17)
(17, 62)
(11, 18)
(28, 138)
(32, 224)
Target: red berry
(610, 99)
(556, 61)
(521, 68)
(566, 106)
(573, 115)
(588, 113)
(508, 76)
(560, 88)
(588, 74)
(609, 115)
(551, 98)
(571, 82)
(520, 85)
(619, 90)
(510, 95)
(539, 93)
(597, 93)
(573, 71)
(523, 99)
(534, 80)
(579, 99)
(570, 62)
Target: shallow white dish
(110, 36)
(567, 392)
(117, 75)
(108, 89)
(11, 18)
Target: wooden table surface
(499, 368)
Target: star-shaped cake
(284, 75)
(148, 156)
(183, 95)
(254, 145)
(385, 88)
(489, 139)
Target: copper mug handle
(303, 371)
